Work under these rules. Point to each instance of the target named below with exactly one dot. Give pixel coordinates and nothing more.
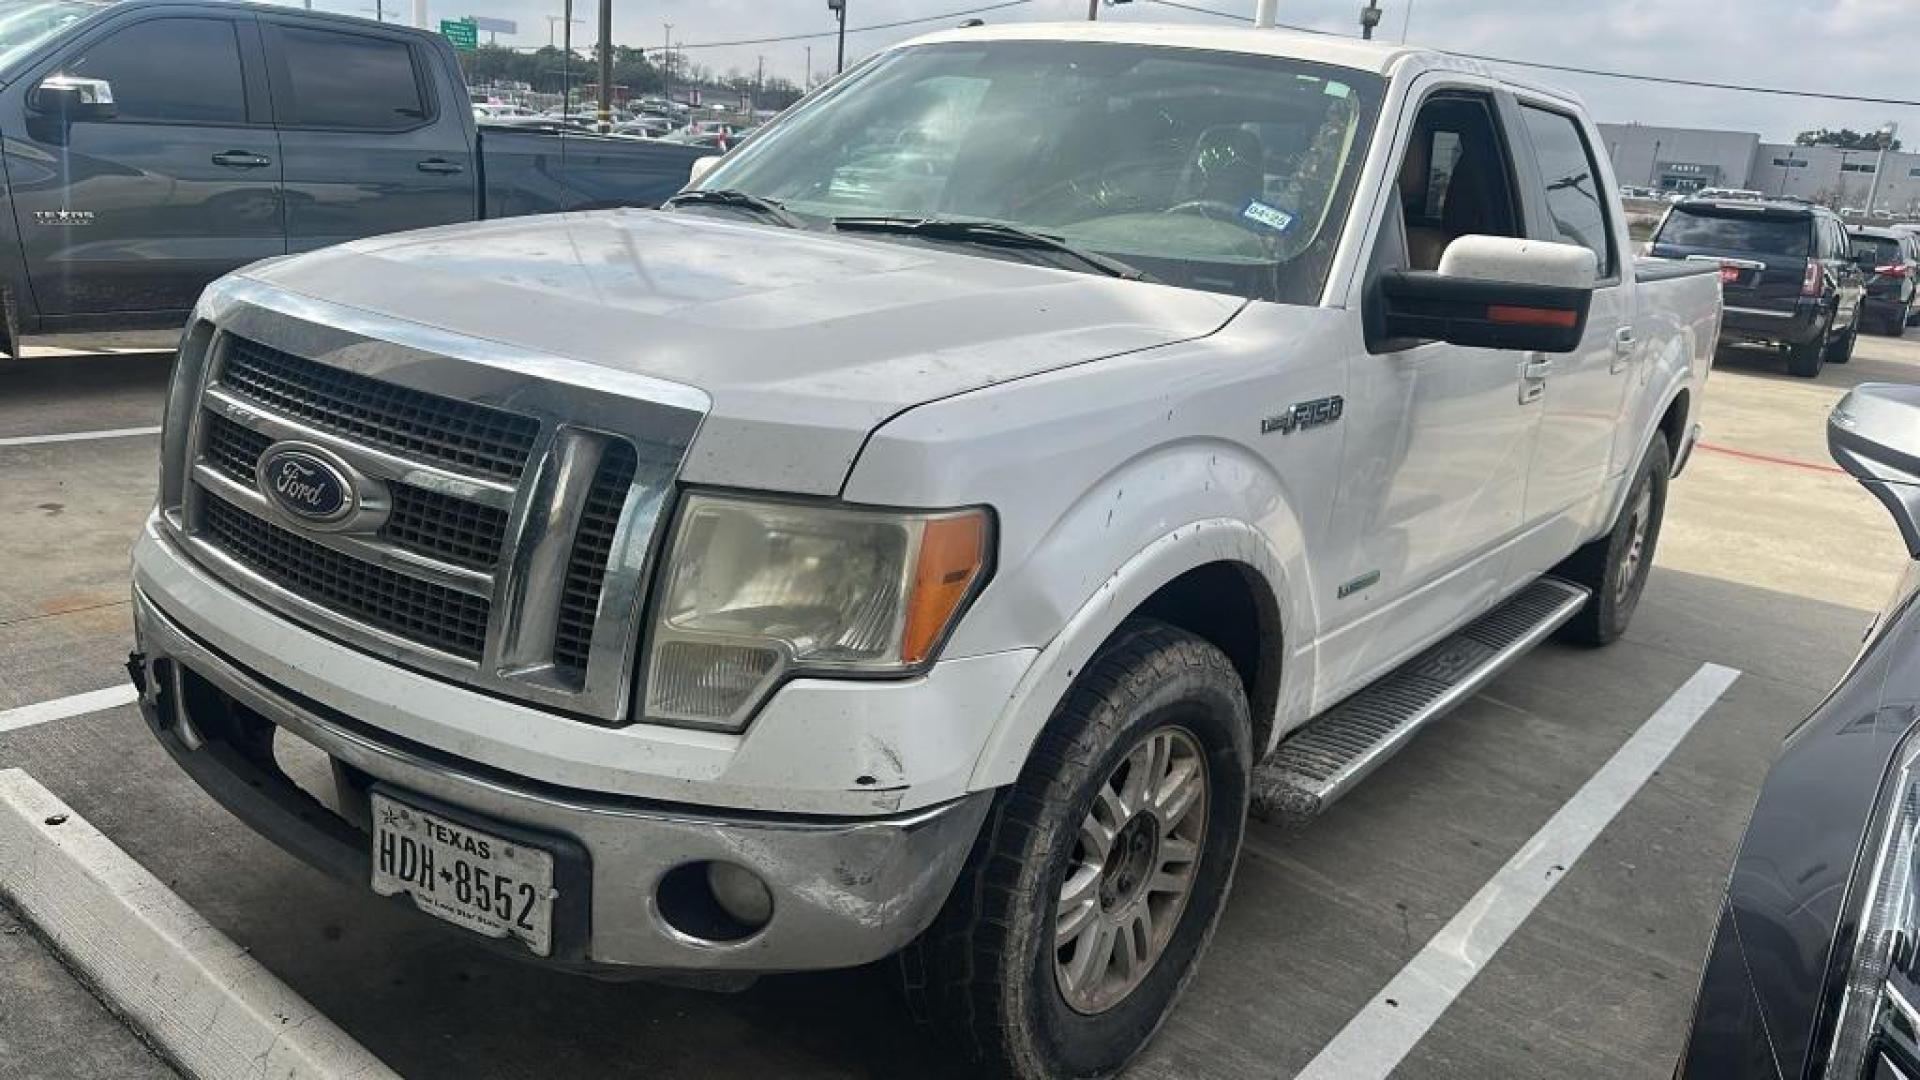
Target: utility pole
(1406, 20)
(808, 84)
(839, 9)
(606, 66)
(1369, 18)
(566, 59)
(1264, 12)
(1093, 10)
(666, 64)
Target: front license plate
(489, 885)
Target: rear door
(1762, 250)
(373, 140)
(138, 212)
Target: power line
(1597, 72)
(855, 29)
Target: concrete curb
(213, 1011)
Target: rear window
(1884, 249)
(1734, 230)
(353, 81)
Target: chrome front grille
(503, 521)
(446, 619)
(469, 437)
(592, 543)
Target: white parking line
(1374, 1042)
(111, 697)
(78, 436)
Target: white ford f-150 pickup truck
(934, 530)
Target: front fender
(1168, 512)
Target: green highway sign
(464, 34)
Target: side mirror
(700, 168)
(1495, 292)
(73, 97)
(1874, 433)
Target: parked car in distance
(153, 145)
(1787, 272)
(1727, 193)
(833, 571)
(1892, 257)
(1813, 970)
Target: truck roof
(1379, 57)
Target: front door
(1438, 436)
(375, 140)
(137, 212)
(1582, 392)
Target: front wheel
(1097, 879)
(1615, 566)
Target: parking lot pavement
(1769, 565)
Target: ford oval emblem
(305, 484)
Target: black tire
(1840, 349)
(984, 973)
(1603, 565)
(1806, 358)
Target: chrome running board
(1336, 750)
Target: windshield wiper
(993, 234)
(771, 209)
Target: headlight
(754, 590)
(1872, 1003)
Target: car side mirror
(73, 97)
(700, 168)
(1495, 292)
(1874, 433)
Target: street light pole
(839, 9)
(666, 63)
(1093, 10)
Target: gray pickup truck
(154, 145)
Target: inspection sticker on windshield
(1271, 216)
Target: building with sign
(1688, 159)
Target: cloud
(1862, 47)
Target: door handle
(1623, 350)
(1533, 378)
(440, 165)
(241, 159)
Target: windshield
(26, 23)
(1216, 171)
(1736, 230)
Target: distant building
(1679, 159)
(1688, 159)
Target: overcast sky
(1865, 47)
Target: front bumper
(1770, 326)
(845, 892)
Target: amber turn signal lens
(953, 553)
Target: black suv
(1787, 271)
(1892, 257)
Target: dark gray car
(1814, 970)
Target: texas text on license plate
(487, 884)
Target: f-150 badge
(63, 217)
(1306, 414)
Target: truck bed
(538, 172)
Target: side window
(1574, 201)
(345, 80)
(171, 71)
(1454, 179)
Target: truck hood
(805, 342)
